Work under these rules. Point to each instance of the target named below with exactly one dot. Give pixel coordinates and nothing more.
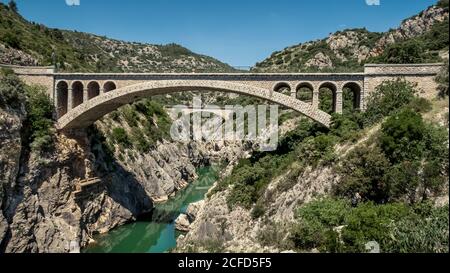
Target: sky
(237, 32)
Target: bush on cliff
(332, 225)
(37, 129)
(39, 120)
(12, 90)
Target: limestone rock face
(411, 27)
(41, 211)
(10, 150)
(182, 222)
(320, 61)
(16, 57)
(236, 231)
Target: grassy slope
(76, 51)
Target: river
(155, 233)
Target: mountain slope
(26, 43)
(422, 38)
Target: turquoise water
(156, 233)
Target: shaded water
(156, 234)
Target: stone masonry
(82, 98)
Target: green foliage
(403, 136)
(443, 4)
(315, 149)
(10, 39)
(408, 155)
(425, 231)
(331, 225)
(363, 172)
(37, 129)
(442, 80)
(39, 120)
(402, 180)
(420, 105)
(12, 5)
(12, 90)
(347, 126)
(314, 228)
(388, 97)
(120, 136)
(410, 51)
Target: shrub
(39, 122)
(403, 136)
(388, 98)
(410, 51)
(119, 136)
(369, 222)
(403, 180)
(442, 80)
(421, 232)
(395, 227)
(420, 105)
(11, 40)
(316, 221)
(12, 90)
(362, 171)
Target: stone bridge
(83, 98)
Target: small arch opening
(351, 96)
(93, 90)
(304, 92)
(109, 86)
(77, 93)
(62, 89)
(283, 88)
(327, 97)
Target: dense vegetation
(385, 184)
(82, 52)
(334, 225)
(33, 105)
(138, 127)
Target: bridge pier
(70, 99)
(315, 99)
(338, 102)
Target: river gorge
(155, 232)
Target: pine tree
(13, 6)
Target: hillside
(421, 38)
(27, 43)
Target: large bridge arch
(92, 110)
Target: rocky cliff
(41, 210)
(349, 49)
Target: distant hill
(27, 43)
(421, 38)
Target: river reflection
(155, 233)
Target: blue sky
(238, 32)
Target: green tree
(389, 97)
(403, 137)
(403, 180)
(363, 171)
(12, 5)
(12, 90)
